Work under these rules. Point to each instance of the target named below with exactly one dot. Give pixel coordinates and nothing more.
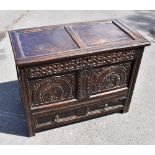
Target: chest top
(61, 41)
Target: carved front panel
(81, 63)
(52, 89)
(112, 77)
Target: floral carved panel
(52, 89)
(112, 77)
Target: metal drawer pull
(57, 118)
(106, 105)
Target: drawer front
(52, 89)
(62, 117)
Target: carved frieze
(80, 63)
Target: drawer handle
(57, 118)
(106, 105)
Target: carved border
(80, 63)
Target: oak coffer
(74, 72)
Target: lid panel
(45, 42)
(48, 43)
(99, 33)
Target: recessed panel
(44, 42)
(111, 77)
(99, 33)
(52, 89)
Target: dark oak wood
(74, 72)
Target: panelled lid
(52, 42)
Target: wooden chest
(74, 72)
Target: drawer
(71, 115)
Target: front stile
(84, 89)
(84, 84)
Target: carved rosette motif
(53, 89)
(85, 84)
(108, 78)
(80, 63)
